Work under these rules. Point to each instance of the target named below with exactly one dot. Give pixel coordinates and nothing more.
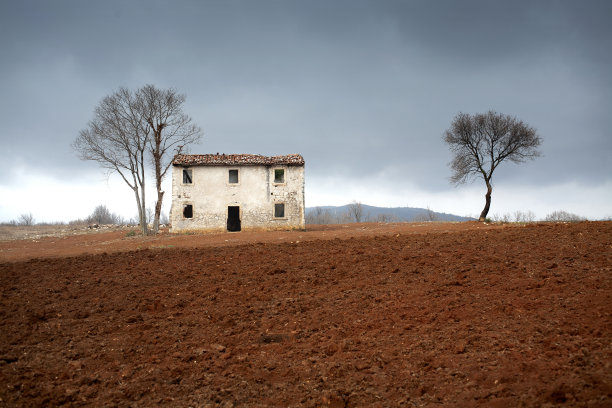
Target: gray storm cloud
(357, 87)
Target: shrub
(502, 218)
(518, 216)
(102, 215)
(563, 216)
(524, 216)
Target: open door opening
(233, 218)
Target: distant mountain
(340, 214)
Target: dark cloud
(358, 87)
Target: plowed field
(342, 316)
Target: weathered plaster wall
(256, 193)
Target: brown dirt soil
(349, 316)
(50, 241)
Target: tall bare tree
(171, 132)
(117, 139)
(482, 141)
(130, 130)
(355, 211)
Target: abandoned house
(234, 192)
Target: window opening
(279, 210)
(233, 176)
(279, 175)
(187, 176)
(188, 211)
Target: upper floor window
(279, 176)
(233, 176)
(187, 176)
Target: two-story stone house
(234, 192)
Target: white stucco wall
(211, 194)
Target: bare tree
(482, 141)
(563, 216)
(387, 218)
(501, 218)
(129, 130)
(428, 215)
(149, 215)
(355, 211)
(319, 215)
(26, 219)
(524, 216)
(117, 139)
(171, 132)
(102, 215)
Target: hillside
(389, 214)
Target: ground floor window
(279, 210)
(188, 211)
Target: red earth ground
(343, 316)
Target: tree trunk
(157, 156)
(141, 215)
(485, 210)
(138, 203)
(143, 203)
(143, 212)
(160, 193)
(158, 206)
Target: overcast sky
(364, 90)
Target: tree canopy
(481, 142)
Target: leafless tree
(501, 218)
(117, 139)
(171, 132)
(563, 216)
(428, 215)
(482, 141)
(319, 215)
(149, 215)
(102, 215)
(26, 219)
(387, 218)
(131, 129)
(524, 216)
(355, 211)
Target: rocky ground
(35, 232)
(344, 316)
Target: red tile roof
(236, 160)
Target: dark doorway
(233, 218)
